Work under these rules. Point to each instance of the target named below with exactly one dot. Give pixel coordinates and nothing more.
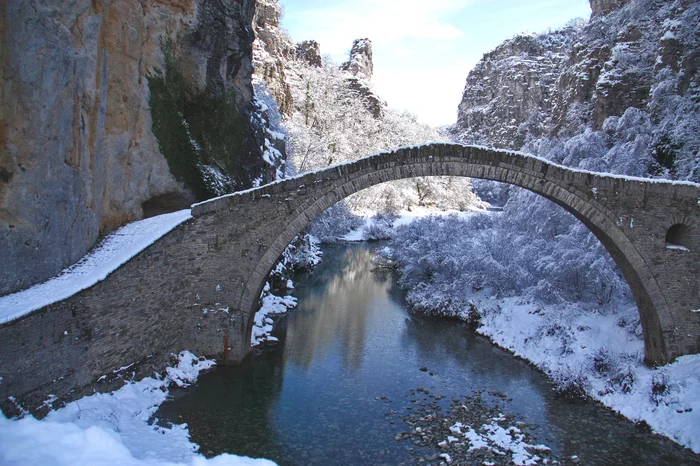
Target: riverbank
(113, 428)
(587, 349)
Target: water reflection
(317, 397)
(338, 300)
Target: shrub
(570, 384)
(659, 388)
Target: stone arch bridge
(198, 287)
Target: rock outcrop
(603, 7)
(360, 62)
(89, 89)
(309, 52)
(273, 49)
(619, 94)
(360, 66)
(277, 59)
(511, 90)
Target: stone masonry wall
(135, 319)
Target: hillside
(331, 115)
(618, 94)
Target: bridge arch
(599, 201)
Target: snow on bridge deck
(116, 249)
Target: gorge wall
(617, 94)
(113, 108)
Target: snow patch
(498, 439)
(116, 249)
(271, 305)
(113, 429)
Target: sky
(423, 49)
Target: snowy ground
(363, 233)
(597, 352)
(112, 429)
(116, 249)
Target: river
(353, 365)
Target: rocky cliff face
(360, 66)
(100, 101)
(272, 50)
(360, 62)
(619, 94)
(603, 7)
(510, 93)
(309, 51)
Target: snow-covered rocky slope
(332, 115)
(618, 94)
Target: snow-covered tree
(334, 122)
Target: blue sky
(423, 49)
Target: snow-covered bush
(334, 223)
(381, 226)
(570, 384)
(441, 259)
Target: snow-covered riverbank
(113, 429)
(585, 351)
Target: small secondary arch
(679, 236)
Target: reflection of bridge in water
(198, 287)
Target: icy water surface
(349, 364)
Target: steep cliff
(361, 67)
(618, 94)
(110, 108)
(509, 94)
(360, 62)
(272, 50)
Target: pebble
(429, 429)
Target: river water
(348, 367)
